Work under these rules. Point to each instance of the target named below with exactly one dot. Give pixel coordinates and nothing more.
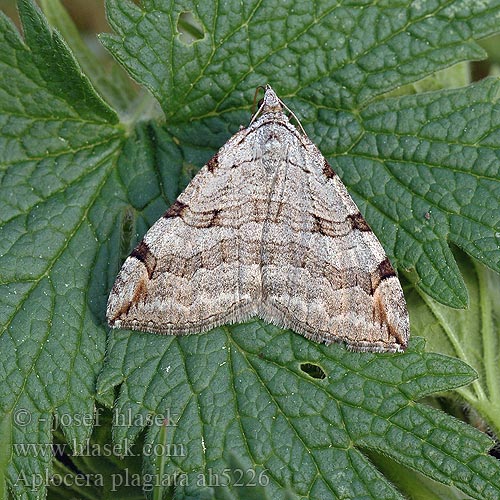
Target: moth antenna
(294, 116)
(259, 105)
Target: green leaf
(326, 50)
(91, 471)
(472, 336)
(414, 485)
(113, 82)
(59, 144)
(243, 390)
(453, 77)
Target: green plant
(88, 164)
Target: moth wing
(324, 272)
(198, 266)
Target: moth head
(270, 103)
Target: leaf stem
(455, 341)
(490, 346)
(145, 107)
(490, 407)
(158, 491)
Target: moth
(266, 229)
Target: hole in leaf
(189, 28)
(313, 371)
